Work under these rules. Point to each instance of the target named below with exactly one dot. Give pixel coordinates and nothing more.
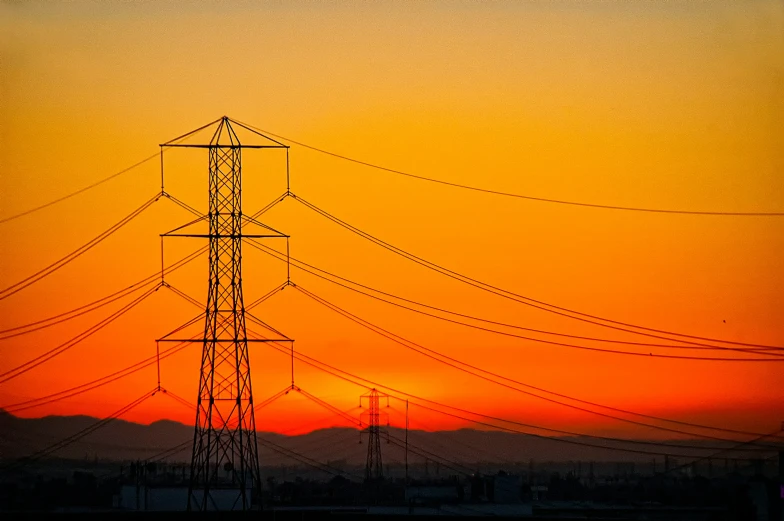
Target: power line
(457, 364)
(184, 296)
(264, 297)
(100, 181)
(324, 467)
(329, 407)
(521, 196)
(187, 443)
(96, 304)
(448, 435)
(280, 394)
(179, 399)
(74, 313)
(248, 315)
(269, 206)
(478, 319)
(564, 440)
(287, 258)
(522, 299)
(95, 384)
(428, 455)
(558, 431)
(353, 379)
(81, 434)
(391, 336)
(184, 206)
(225, 372)
(576, 346)
(170, 451)
(291, 454)
(549, 342)
(190, 406)
(40, 359)
(679, 422)
(248, 219)
(319, 445)
(758, 448)
(48, 270)
(190, 133)
(77, 192)
(729, 449)
(417, 450)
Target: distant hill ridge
(124, 440)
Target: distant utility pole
(781, 469)
(374, 469)
(225, 463)
(406, 443)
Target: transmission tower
(225, 464)
(374, 468)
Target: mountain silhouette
(123, 440)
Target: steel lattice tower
(374, 468)
(224, 439)
(225, 463)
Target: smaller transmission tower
(374, 468)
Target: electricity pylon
(225, 464)
(374, 468)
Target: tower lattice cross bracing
(224, 443)
(225, 461)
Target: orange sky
(672, 105)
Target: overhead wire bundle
(676, 341)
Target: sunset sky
(672, 105)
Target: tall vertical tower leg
(225, 464)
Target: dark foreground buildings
(64, 489)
